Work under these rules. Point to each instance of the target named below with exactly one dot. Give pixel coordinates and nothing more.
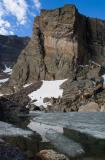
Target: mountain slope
(10, 48)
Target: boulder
(8, 152)
(90, 107)
(51, 155)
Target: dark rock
(10, 48)
(9, 110)
(46, 100)
(8, 152)
(12, 105)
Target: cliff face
(10, 48)
(62, 39)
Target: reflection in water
(94, 148)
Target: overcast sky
(16, 16)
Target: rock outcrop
(10, 48)
(62, 39)
(10, 152)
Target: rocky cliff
(10, 48)
(62, 40)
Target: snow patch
(48, 89)
(4, 80)
(8, 70)
(103, 76)
(26, 85)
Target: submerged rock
(65, 145)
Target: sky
(17, 16)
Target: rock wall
(62, 39)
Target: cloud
(37, 4)
(18, 12)
(17, 8)
(4, 24)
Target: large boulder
(90, 107)
(8, 152)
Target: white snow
(1, 94)
(26, 85)
(103, 76)
(48, 89)
(4, 80)
(8, 70)
(43, 128)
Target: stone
(11, 106)
(102, 108)
(51, 155)
(9, 152)
(46, 100)
(90, 107)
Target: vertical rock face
(62, 39)
(10, 48)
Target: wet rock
(30, 155)
(9, 152)
(90, 107)
(14, 104)
(9, 110)
(51, 155)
